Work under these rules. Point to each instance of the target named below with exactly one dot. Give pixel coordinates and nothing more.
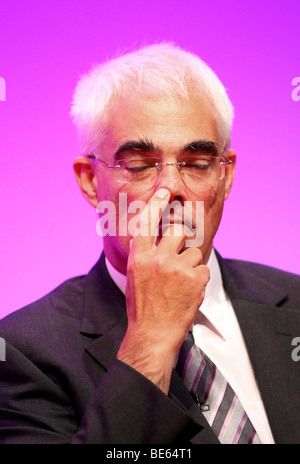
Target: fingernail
(162, 193)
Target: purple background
(47, 228)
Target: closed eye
(198, 165)
(138, 168)
(201, 163)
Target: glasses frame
(159, 166)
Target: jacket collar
(104, 304)
(267, 321)
(241, 280)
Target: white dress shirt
(216, 331)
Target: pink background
(47, 229)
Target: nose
(170, 178)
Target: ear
(229, 171)
(86, 178)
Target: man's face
(168, 125)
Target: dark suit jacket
(61, 383)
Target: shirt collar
(211, 312)
(118, 278)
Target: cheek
(129, 204)
(213, 198)
(212, 195)
(107, 188)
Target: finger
(174, 237)
(147, 226)
(204, 273)
(192, 256)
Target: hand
(165, 287)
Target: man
(101, 359)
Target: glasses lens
(137, 170)
(204, 168)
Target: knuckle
(135, 262)
(198, 254)
(158, 262)
(204, 273)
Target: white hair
(157, 71)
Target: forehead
(168, 123)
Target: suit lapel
(104, 318)
(270, 355)
(267, 329)
(180, 394)
(104, 303)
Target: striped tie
(214, 396)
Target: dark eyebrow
(137, 145)
(202, 145)
(147, 145)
